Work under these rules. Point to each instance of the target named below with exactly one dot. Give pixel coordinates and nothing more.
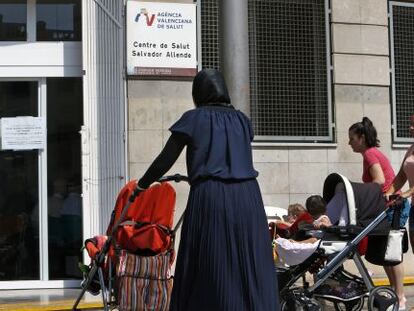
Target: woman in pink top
(405, 173)
(377, 168)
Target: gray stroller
(358, 212)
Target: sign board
(23, 133)
(161, 39)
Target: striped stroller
(131, 265)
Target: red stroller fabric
(148, 222)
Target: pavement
(46, 299)
(409, 306)
(63, 299)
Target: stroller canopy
(364, 201)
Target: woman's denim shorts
(406, 212)
(411, 222)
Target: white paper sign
(23, 133)
(161, 39)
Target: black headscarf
(209, 88)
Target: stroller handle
(175, 177)
(394, 200)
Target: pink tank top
(373, 156)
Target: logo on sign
(149, 18)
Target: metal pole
(234, 51)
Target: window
(210, 56)
(402, 60)
(290, 82)
(58, 20)
(13, 18)
(288, 69)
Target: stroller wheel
(383, 298)
(93, 287)
(352, 305)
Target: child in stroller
(364, 215)
(295, 250)
(313, 216)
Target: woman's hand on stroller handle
(392, 199)
(175, 177)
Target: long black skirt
(225, 260)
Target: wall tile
(346, 11)
(347, 69)
(279, 200)
(307, 155)
(349, 107)
(307, 177)
(352, 171)
(360, 39)
(144, 145)
(343, 152)
(176, 99)
(361, 69)
(360, 11)
(346, 38)
(137, 170)
(273, 177)
(375, 70)
(144, 114)
(143, 89)
(270, 155)
(374, 12)
(374, 40)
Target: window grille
(402, 58)
(288, 69)
(289, 66)
(210, 56)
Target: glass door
(64, 183)
(40, 190)
(19, 190)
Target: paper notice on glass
(23, 133)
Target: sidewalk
(63, 299)
(59, 299)
(46, 299)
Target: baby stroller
(130, 266)
(358, 212)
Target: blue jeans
(405, 212)
(411, 222)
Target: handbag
(397, 236)
(394, 250)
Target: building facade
(61, 62)
(303, 70)
(333, 63)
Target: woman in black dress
(224, 260)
